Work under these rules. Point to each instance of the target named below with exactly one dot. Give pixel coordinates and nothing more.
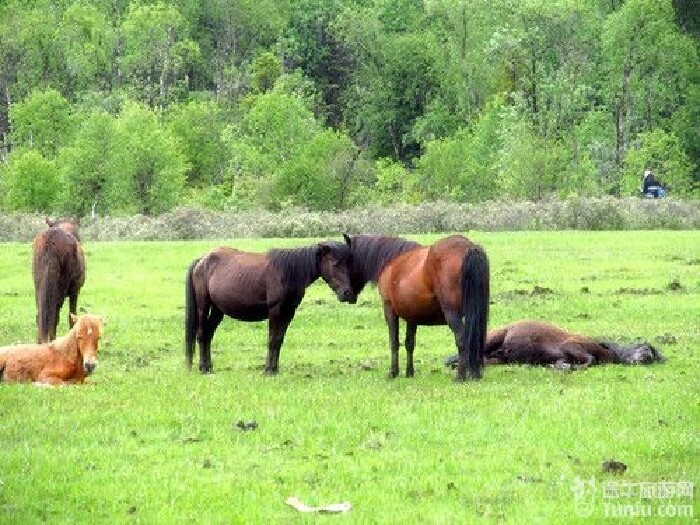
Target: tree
(158, 55)
(87, 43)
(31, 182)
(311, 43)
(320, 175)
(90, 166)
(462, 167)
(648, 64)
(152, 167)
(198, 126)
(393, 85)
(663, 153)
(42, 121)
(529, 167)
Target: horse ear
(73, 318)
(49, 222)
(324, 248)
(347, 238)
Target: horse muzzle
(89, 367)
(347, 296)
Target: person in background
(651, 187)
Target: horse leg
(392, 322)
(53, 328)
(209, 326)
(579, 358)
(72, 306)
(454, 321)
(410, 345)
(278, 322)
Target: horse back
(59, 253)
(536, 342)
(443, 269)
(238, 283)
(24, 362)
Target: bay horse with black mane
(68, 359)
(445, 283)
(539, 343)
(58, 268)
(257, 286)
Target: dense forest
(137, 106)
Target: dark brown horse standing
(257, 286)
(445, 283)
(58, 268)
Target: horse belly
(418, 308)
(245, 311)
(245, 302)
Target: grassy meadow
(148, 442)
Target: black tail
(190, 315)
(475, 308)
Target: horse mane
(67, 345)
(298, 266)
(370, 253)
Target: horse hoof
(270, 372)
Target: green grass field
(148, 442)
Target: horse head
(67, 225)
(88, 330)
(636, 353)
(335, 262)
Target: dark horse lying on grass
(58, 268)
(537, 343)
(445, 283)
(258, 286)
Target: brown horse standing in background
(68, 359)
(445, 283)
(257, 286)
(58, 268)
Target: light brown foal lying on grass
(68, 359)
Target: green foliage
(320, 175)
(395, 184)
(90, 165)
(270, 134)
(441, 88)
(151, 166)
(462, 167)
(266, 69)
(30, 182)
(87, 41)
(158, 54)
(530, 167)
(42, 121)
(662, 152)
(198, 126)
(649, 67)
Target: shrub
(607, 213)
